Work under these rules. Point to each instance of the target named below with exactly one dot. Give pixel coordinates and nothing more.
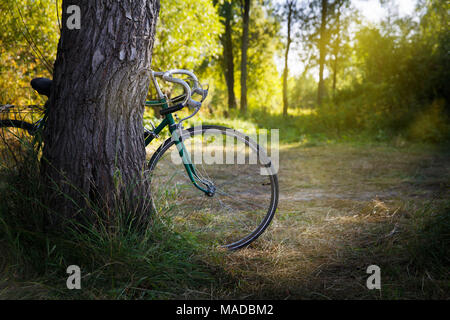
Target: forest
(353, 77)
(359, 90)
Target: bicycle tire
(262, 225)
(7, 123)
(15, 139)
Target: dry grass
(343, 208)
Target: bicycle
(229, 203)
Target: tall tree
(335, 47)
(318, 25)
(93, 139)
(339, 37)
(245, 12)
(289, 8)
(226, 11)
(264, 85)
(322, 49)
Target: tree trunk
(93, 140)
(228, 58)
(244, 49)
(336, 47)
(286, 56)
(335, 64)
(322, 50)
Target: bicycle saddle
(42, 86)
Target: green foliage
(187, 35)
(395, 81)
(398, 77)
(264, 82)
(302, 93)
(392, 78)
(23, 22)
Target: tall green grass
(351, 120)
(119, 259)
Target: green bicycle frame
(183, 152)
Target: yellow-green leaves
(187, 34)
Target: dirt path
(343, 208)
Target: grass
(343, 206)
(118, 259)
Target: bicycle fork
(208, 187)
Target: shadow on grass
(319, 247)
(318, 251)
(412, 251)
(118, 258)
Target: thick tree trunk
(93, 141)
(322, 50)
(228, 58)
(244, 49)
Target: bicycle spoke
(242, 204)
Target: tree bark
(245, 8)
(228, 58)
(93, 140)
(322, 50)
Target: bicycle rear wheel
(15, 141)
(246, 186)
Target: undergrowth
(118, 259)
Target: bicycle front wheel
(245, 186)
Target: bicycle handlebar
(168, 76)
